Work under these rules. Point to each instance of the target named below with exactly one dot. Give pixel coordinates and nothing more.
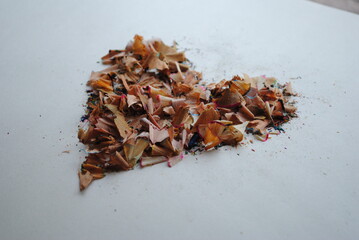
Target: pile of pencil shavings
(149, 107)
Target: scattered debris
(149, 106)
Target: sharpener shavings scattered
(148, 107)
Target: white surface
(299, 185)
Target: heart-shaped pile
(149, 107)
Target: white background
(300, 185)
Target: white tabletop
(299, 185)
